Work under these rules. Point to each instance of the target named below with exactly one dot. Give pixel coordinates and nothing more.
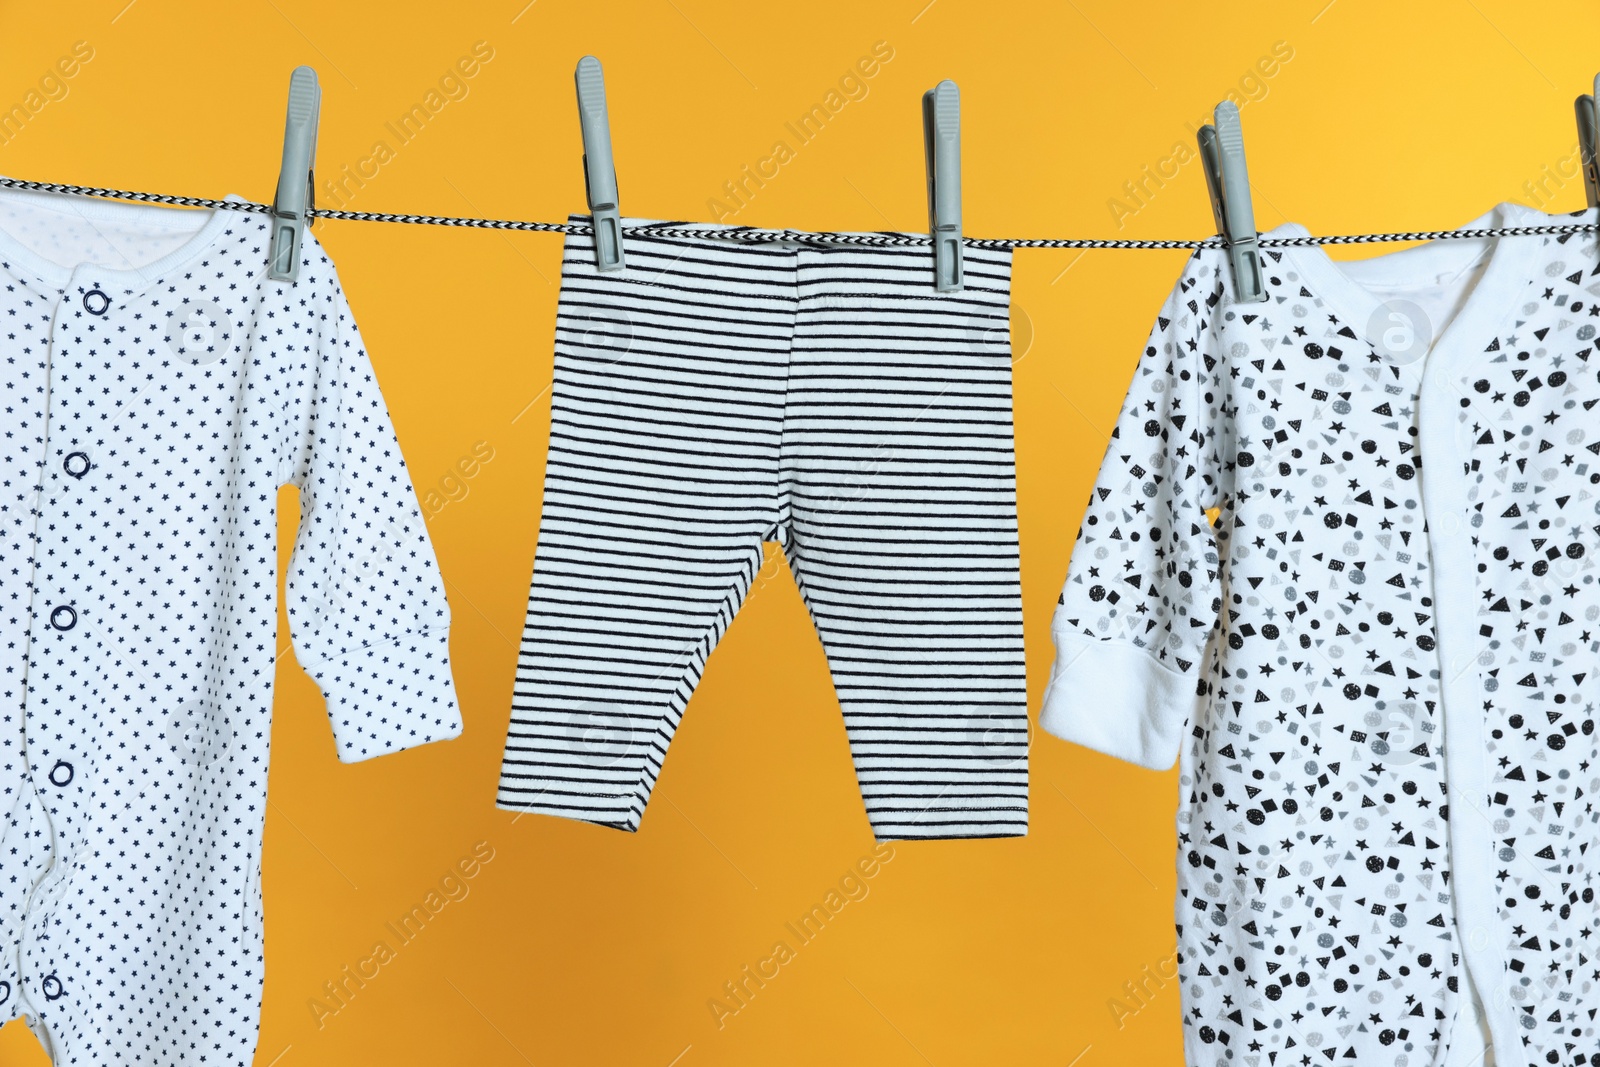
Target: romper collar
(1496, 294)
(124, 281)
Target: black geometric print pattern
(1318, 867)
(149, 418)
(1533, 468)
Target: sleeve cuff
(1114, 697)
(391, 695)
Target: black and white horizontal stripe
(712, 395)
(901, 488)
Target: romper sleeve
(368, 616)
(1142, 595)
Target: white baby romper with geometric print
(155, 392)
(1379, 670)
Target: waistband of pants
(786, 240)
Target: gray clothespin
(1222, 155)
(941, 138)
(292, 205)
(599, 171)
(1588, 138)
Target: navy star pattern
(149, 419)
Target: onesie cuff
(1114, 697)
(390, 695)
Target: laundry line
(769, 236)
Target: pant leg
(901, 486)
(661, 484)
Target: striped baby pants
(711, 396)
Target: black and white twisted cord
(763, 236)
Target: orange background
(577, 944)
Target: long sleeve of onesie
(366, 602)
(1142, 594)
(164, 391)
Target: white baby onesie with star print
(1376, 669)
(156, 392)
